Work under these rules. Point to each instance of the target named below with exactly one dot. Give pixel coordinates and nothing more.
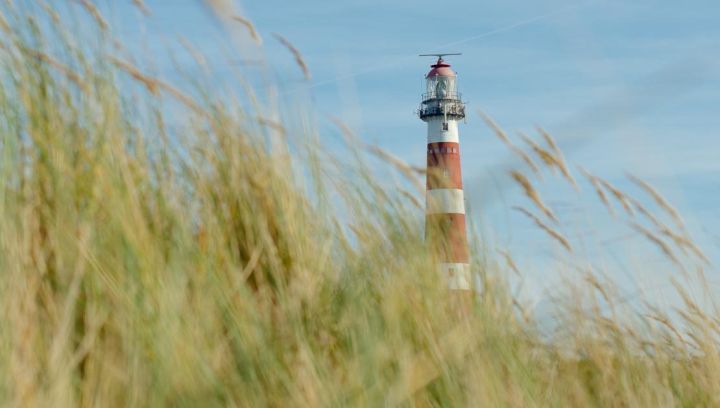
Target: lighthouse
(442, 109)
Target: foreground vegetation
(147, 260)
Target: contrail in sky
(490, 33)
(518, 24)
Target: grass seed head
(140, 4)
(94, 12)
(659, 199)
(553, 233)
(296, 53)
(532, 194)
(559, 158)
(621, 197)
(664, 247)
(497, 130)
(250, 27)
(598, 190)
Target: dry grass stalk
(664, 247)
(419, 169)
(414, 200)
(4, 24)
(221, 8)
(410, 172)
(621, 197)
(63, 69)
(689, 301)
(644, 211)
(349, 136)
(548, 158)
(296, 53)
(454, 345)
(140, 4)
(506, 140)
(550, 141)
(54, 16)
(666, 322)
(554, 234)
(659, 199)
(532, 194)
(273, 124)
(251, 264)
(94, 12)
(250, 27)
(524, 311)
(194, 53)
(683, 241)
(154, 85)
(595, 283)
(598, 189)
(404, 168)
(559, 158)
(695, 309)
(59, 66)
(510, 261)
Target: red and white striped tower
(442, 108)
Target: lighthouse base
(457, 275)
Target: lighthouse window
(441, 89)
(445, 126)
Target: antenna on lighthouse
(440, 55)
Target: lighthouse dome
(440, 68)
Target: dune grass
(157, 248)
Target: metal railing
(447, 95)
(452, 109)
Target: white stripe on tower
(436, 134)
(457, 275)
(445, 201)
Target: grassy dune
(149, 263)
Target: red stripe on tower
(442, 109)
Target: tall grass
(157, 249)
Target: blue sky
(623, 86)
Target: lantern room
(441, 82)
(441, 98)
